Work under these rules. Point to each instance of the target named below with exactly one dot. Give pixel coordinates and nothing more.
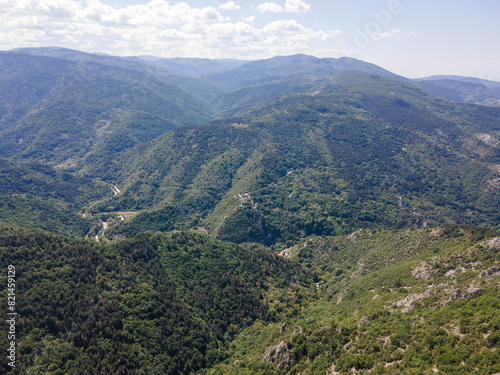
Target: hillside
(282, 66)
(168, 304)
(463, 89)
(391, 302)
(365, 151)
(292, 215)
(61, 111)
(35, 195)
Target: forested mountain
(463, 89)
(392, 302)
(166, 304)
(282, 216)
(192, 67)
(35, 195)
(364, 151)
(418, 301)
(160, 69)
(60, 111)
(281, 66)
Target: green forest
(292, 215)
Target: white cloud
(230, 5)
(389, 34)
(270, 7)
(283, 26)
(297, 6)
(394, 33)
(158, 27)
(250, 19)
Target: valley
(292, 215)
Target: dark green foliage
(45, 182)
(35, 195)
(165, 304)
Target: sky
(414, 38)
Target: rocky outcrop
(410, 299)
(489, 140)
(470, 293)
(364, 320)
(461, 295)
(279, 354)
(494, 243)
(489, 272)
(423, 272)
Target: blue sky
(414, 38)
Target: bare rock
(489, 140)
(423, 272)
(279, 353)
(494, 243)
(470, 293)
(410, 299)
(489, 272)
(364, 320)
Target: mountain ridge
(298, 216)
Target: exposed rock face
(410, 299)
(279, 353)
(489, 140)
(489, 272)
(461, 295)
(494, 243)
(364, 320)
(423, 272)
(470, 292)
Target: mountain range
(257, 206)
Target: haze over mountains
(324, 161)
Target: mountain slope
(60, 111)
(167, 304)
(391, 302)
(463, 89)
(282, 66)
(193, 67)
(199, 88)
(35, 195)
(366, 151)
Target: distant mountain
(201, 89)
(282, 66)
(192, 67)
(61, 110)
(74, 55)
(264, 80)
(479, 81)
(253, 82)
(462, 89)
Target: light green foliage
(357, 319)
